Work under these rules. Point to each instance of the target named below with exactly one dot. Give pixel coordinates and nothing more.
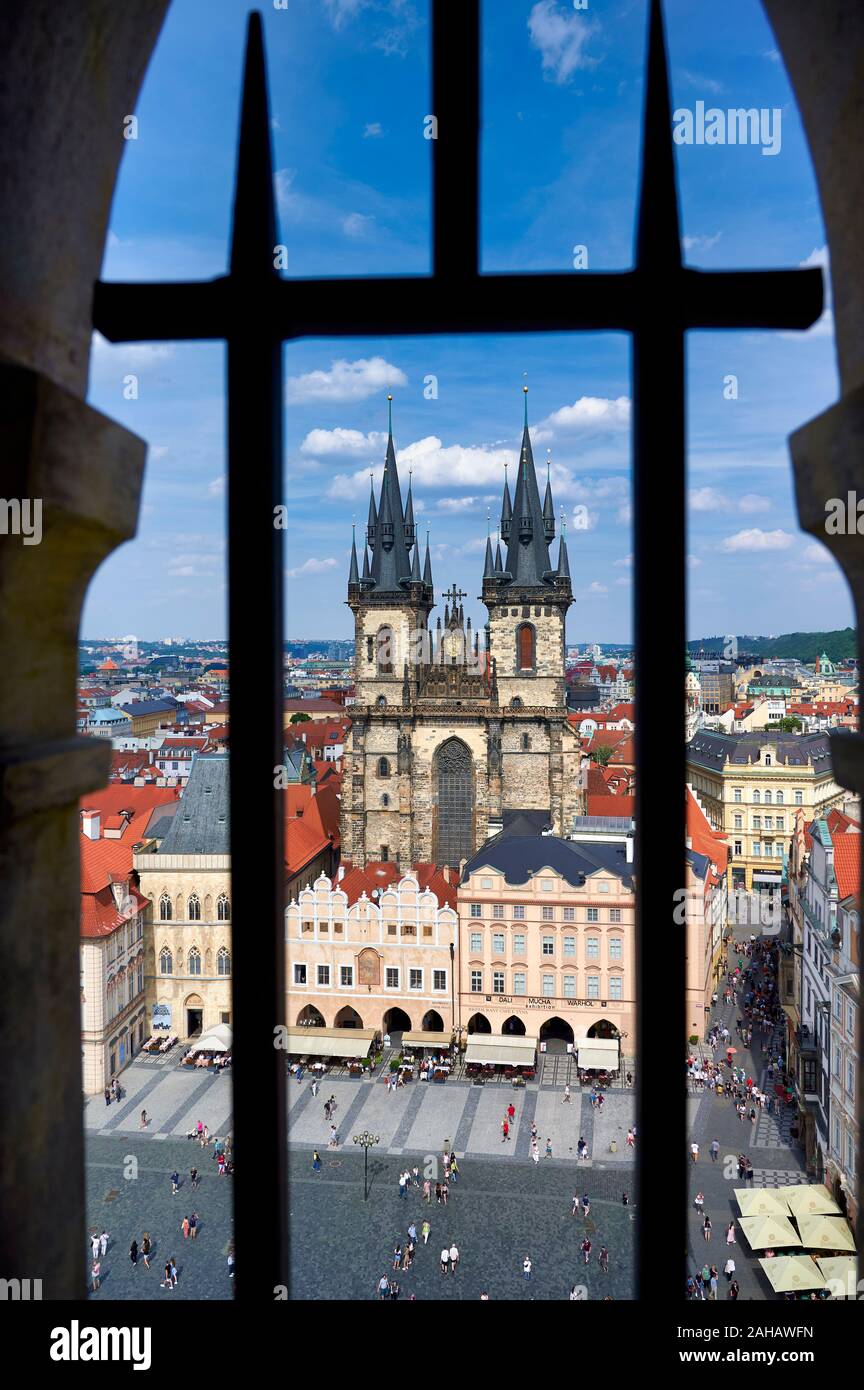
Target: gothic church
(450, 733)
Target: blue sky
(349, 84)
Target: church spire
(372, 523)
(563, 559)
(410, 528)
(391, 564)
(415, 566)
(353, 572)
(427, 564)
(506, 509)
(548, 504)
(527, 563)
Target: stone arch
(603, 1028)
(396, 1020)
(453, 811)
(347, 1018)
(556, 1033)
(432, 1022)
(479, 1023)
(513, 1025)
(310, 1017)
(526, 647)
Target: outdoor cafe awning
(330, 1042)
(440, 1040)
(506, 1049)
(598, 1054)
(809, 1199)
(792, 1274)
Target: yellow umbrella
(792, 1274)
(841, 1274)
(765, 1231)
(764, 1202)
(825, 1233)
(806, 1200)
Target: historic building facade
(184, 869)
(363, 957)
(449, 732)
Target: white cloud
(436, 466)
(373, 130)
(357, 224)
(311, 567)
(595, 588)
(560, 36)
(772, 55)
(700, 243)
(134, 356)
(588, 413)
(625, 563)
(460, 504)
(752, 502)
(346, 381)
(693, 562)
(348, 443)
(756, 540)
(707, 499)
(218, 485)
(696, 79)
(339, 10)
(816, 553)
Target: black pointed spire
(506, 510)
(415, 566)
(548, 505)
(372, 523)
(410, 528)
(563, 559)
(367, 577)
(489, 563)
(427, 564)
(353, 572)
(498, 565)
(527, 564)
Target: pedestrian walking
(143, 1123)
(581, 1148)
(397, 1255)
(526, 1267)
(172, 1265)
(445, 1192)
(511, 1113)
(403, 1186)
(193, 1177)
(734, 1290)
(454, 1257)
(103, 1244)
(575, 1203)
(94, 1275)
(548, 1148)
(586, 1205)
(133, 1251)
(145, 1249)
(566, 1100)
(505, 1130)
(729, 1269)
(604, 1259)
(107, 1096)
(415, 1176)
(438, 1194)
(700, 1202)
(175, 1183)
(631, 1139)
(427, 1191)
(314, 1088)
(535, 1154)
(454, 1168)
(184, 1227)
(334, 1138)
(730, 1233)
(694, 1151)
(715, 1150)
(533, 1129)
(706, 1229)
(231, 1259)
(585, 1247)
(425, 1231)
(383, 1286)
(193, 1225)
(445, 1259)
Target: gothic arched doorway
(603, 1029)
(479, 1023)
(433, 1022)
(453, 780)
(513, 1025)
(309, 1017)
(348, 1018)
(396, 1021)
(556, 1034)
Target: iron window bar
(254, 310)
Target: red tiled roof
(382, 874)
(311, 823)
(703, 839)
(614, 805)
(103, 860)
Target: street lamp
(621, 1037)
(367, 1141)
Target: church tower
(448, 735)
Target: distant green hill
(801, 646)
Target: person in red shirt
(505, 1130)
(511, 1112)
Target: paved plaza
(777, 1161)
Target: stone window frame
(531, 669)
(166, 954)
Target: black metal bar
(255, 569)
(554, 303)
(659, 551)
(455, 158)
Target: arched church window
(165, 908)
(454, 785)
(166, 962)
(385, 651)
(381, 702)
(525, 647)
(383, 767)
(194, 908)
(516, 703)
(193, 963)
(223, 908)
(223, 961)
